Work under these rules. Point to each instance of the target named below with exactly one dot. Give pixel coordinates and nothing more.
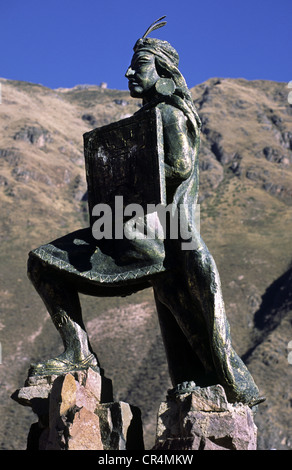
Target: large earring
(165, 86)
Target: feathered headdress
(157, 46)
(168, 58)
(155, 25)
(181, 98)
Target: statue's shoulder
(172, 115)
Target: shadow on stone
(73, 415)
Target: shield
(126, 159)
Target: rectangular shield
(126, 159)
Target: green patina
(150, 158)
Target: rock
(286, 139)
(211, 173)
(214, 139)
(121, 102)
(11, 156)
(84, 432)
(204, 420)
(235, 167)
(3, 181)
(90, 119)
(272, 155)
(34, 134)
(76, 412)
(72, 422)
(121, 426)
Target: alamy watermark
(159, 221)
(0, 93)
(290, 92)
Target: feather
(154, 26)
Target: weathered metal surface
(126, 159)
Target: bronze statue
(185, 281)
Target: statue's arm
(178, 148)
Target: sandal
(60, 366)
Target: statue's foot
(250, 398)
(61, 365)
(190, 386)
(256, 401)
(180, 389)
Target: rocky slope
(246, 200)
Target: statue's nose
(130, 72)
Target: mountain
(245, 206)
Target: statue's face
(142, 74)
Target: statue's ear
(161, 68)
(165, 85)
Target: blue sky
(68, 42)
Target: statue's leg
(193, 295)
(203, 281)
(183, 362)
(62, 302)
(183, 331)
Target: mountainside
(245, 201)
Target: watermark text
(181, 222)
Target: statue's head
(154, 74)
(153, 68)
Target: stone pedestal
(204, 420)
(76, 412)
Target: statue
(185, 281)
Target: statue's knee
(33, 269)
